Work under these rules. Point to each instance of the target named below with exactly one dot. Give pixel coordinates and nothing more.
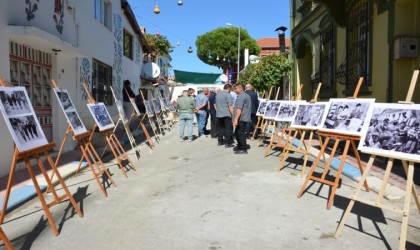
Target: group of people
(25, 127)
(232, 111)
(398, 133)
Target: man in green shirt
(186, 107)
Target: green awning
(195, 77)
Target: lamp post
(239, 48)
(282, 43)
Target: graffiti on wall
(31, 8)
(59, 15)
(85, 77)
(118, 54)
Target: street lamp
(239, 47)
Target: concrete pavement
(200, 196)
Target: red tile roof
(271, 42)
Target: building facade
(336, 42)
(95, 42)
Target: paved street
(196, 195)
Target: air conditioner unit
(406, 47)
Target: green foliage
(223, 43)
(267, 73)
(159, 45)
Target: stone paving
(196, 195)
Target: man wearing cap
(186, 106)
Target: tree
(267, 73)
(220, 46)
(159, 45)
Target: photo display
(271, 109)
(149, 110)
(70, 111)
(393, 130)
(156, 105)
(261, 107)
(310, 115)
(20, 118)
(287, 110)
(346, 116)
(101, 116)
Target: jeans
(214, 127)
(186, 118)
(240, 135)
(201, 121)
(225, 130)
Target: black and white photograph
(64, 99)
(133, 102)
(272, 109)
(70, 111)
(75, 122)
(393, 130)
(172, 107)
(261, 107)
(20, 118)
(164, 104)
(149, 110)
(156, 105)
(346, 116)
(121, 111)
(15, 101)
(287, 110)
(310, 115)
(101, 116)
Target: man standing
(242, 115)
(201, 110)
(254, 107)
(212, 111)
(186, 106)
(224, 110)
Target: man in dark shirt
(254, 107)
(212, 111)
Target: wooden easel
(284, 128)
(127, 130)
(306, 146)
(260, 121)
(410, 187)
(112, 141)
(151, 122)
(266, 125)
(349, 140)
(36, 152)
(89, 153)
(5, 240)
(158, 119)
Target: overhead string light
(180, 3)
(156, 10)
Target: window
(101, 82)
(128, 45)
(103, 12)
(356, 65)
(327, 55)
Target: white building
(97, 42)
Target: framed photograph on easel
(287, 111)
(156, 105)
(347, 116)
(20, 118)
(310, 115)
(272, 109)
(149, 110)
(392, 131)
(69, 110)
(261, 107)
(101, 116)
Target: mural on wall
(138, 52)
(59, 15)
(85, 76)
(118, 54)
(31, 8)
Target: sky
(196, 17)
